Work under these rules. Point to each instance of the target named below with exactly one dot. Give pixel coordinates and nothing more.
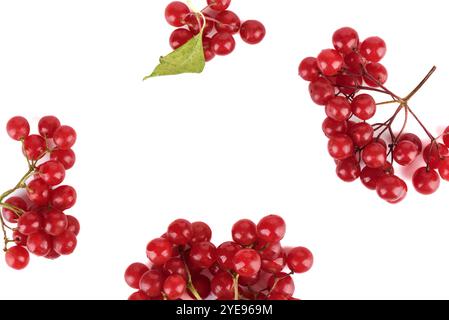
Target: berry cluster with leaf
(185, 264)
(33, 218)
(202, 35)
(343, 80)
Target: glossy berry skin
(151, 283)
(405, 152)
(159, 251)
(348, 84)
(209, 54)
(175, 266)
(244, 232)
(274, 266)
(271, 229)
(426, 181)
(348, 170)
(361, 133)
(180, 232)
(374, 155)
(202, 284)
(201, 232)
(34, 147)
(65, 243)
(446, 137)
(370, 176)
(227, 21)
(48, 125)
(252, 31)
(73, 225)
(331, 128)
(321, 91)
(281, 284)
(38, 192)
(355, 63)
(345, 40)
(176, 12)
(203, 255)
(134, 273)
(434, 153)
(222, 43)
(64, 137)
(444, 169)
(340, 147)
(63, 198)
(330, 62)
(308, 69)
(174, 287)
(222, 286)
(180, 37)
(52, 172)
(373, 49)
(300, 260)
(267, 250)
(225, 253)
(412, 138)
(378, 75)
(17, 257)
(16, 202)
(19, 239)
(18, 128)
(391, 188)
(219, 5)
(66, 157)
(195, 22)
(29, 222)
(363, 106)
(247, 262)
(39, 243)
(138, 296)
(338, 109)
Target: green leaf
(187, 59)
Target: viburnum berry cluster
(184, 264)
(341, 79)
(217, 24)
(33, 218)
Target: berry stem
(236, 286)
(190, 285)
(421, 124)
(421, 84)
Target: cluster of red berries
(41, 226)
(184, 264)
(218, 25)
(339, 79)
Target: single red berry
(223, 43)
(52, 255)
(66, 157)
(412, 138)
(340, 147)
(30, 222)
(252, 31)
(201, 232)
(52, 172)
(19, 239)
(64, 137)
(73, 225)
(225, 253)
(17, 257)
(55, 222)
(434, 153)
(203, 255)
(271, 229)
(330, 62)
(345, 40)
(38, 192)
(174, 287)
(219, 5)
(180, 37)
(159, 251)
(275, 265)
(331, 128)
(16, 202)
(65, 243)
(348, 84)
(244, 232)
(175, 266)
(426, 181)
(363, 106)
(176, 13)
(180, 232)
(348, 170)
(405, 152)
(361, 133)
(202, 284)
(300, 260)
(374, 155)
(444, 169)
(373, 49)
(281, 284)
(34, 147)
(308, 69)
(63, 197)
(18, 128)
(446, 137)
(209, 54)
(370, 176)
(222, 285)
(48, 125)
(355, 63)
(247, 262)
(39, 243)
(321, 91)
(268, 250)
(376, 75)
(227, 21)
(151, 283)
(339, 109)
(391, 188)
(134, 273)
(138, 296)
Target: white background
(240, 140)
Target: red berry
(275, 265)
(195, 23)
(52, 172)
(244, 232)
(300, 260)
(405, 152)
(66, 157)
(332, 128)
(374, 155)
(202, 285)
(73, 225)
(225, 253)
(434, 153)
(63, 197)
(180, 37)
(330, 62)
(308, 69)
(174, 287)
(373, 49)
(203, 255)
(176, 13)
(38, 192)
(247, 262)
(209, 54)
(271, 229)
(339, 109)
(17, 257)
(444, 169)
(252, 31)
(363, 106)
(18, 128)
(348, 170)
(15, 202)
(361, 133)
(446, 137)
(151, 283)
(134, 273)
(64, 137)
(281, 284)
(267, 250)
(222, 285)
(340, 147)
(48, 125)
(65, 243)
(219, 5)
(412, 138)
(201, 232)
(180, 232)
(377, 75)
(426, 181)
(370, 176)
(391, 188)
(19, 239)
(29, 222)
(223, 43)
(175, 266)
(159, 251)
(354, 63)
(34, 147)
(138, 296)
(346, 40)
(348, 85)
(39, 243)
(227, 21)
(321, 91)
(52, 255)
